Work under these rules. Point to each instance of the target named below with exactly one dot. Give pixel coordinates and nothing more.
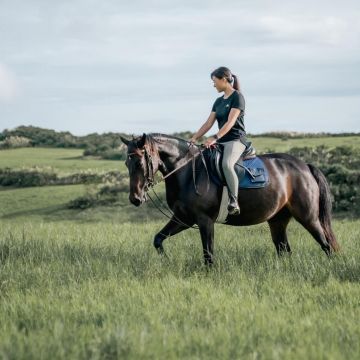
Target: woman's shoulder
(240, 95)
(238, 100)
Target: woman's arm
(205, 127)
(233, 115)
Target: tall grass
(100, 291)
(89, 284)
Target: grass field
(263, 144)
(89, 285)
(58, 159)
(100, 291)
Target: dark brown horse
(296, 189)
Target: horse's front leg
(174, 226)
(206, 226)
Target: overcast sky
(140, 66)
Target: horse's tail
(324, 206)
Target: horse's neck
(173, 152)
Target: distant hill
(37, 136)
(47, 137)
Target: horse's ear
(141, 142)
(125, 141)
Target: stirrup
(233, 210)
(233, 207)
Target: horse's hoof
(160, 250)
(208, 263)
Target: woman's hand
(210, 141)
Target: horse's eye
(127, 160)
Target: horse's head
(142, 162)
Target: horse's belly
(258, 205)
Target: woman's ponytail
(236, 84)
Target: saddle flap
(258, 176)
(256, 172)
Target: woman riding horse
(295, 190)
(228, 110)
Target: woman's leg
(232, 151)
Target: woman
(228, 110)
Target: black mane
(167, 136)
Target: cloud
(8, 84)
(157, 56)
(320, 30)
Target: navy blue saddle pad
(256, 174)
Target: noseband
(150, 175)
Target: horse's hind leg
(278, 225)
(307, 216)
(316, 230)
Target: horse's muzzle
(137, 201)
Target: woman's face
(219, 84)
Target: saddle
(250, 169)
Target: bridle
(150, 176)
(150, 173)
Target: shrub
(113, 184)
(341, 166)
(106, 152)
(26, 177)
(11, 142)
(41, 177)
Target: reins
(151, 183)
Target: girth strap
(191, 150)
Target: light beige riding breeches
(232, 152)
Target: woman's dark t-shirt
(222, 108)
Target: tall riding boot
(233, 207)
